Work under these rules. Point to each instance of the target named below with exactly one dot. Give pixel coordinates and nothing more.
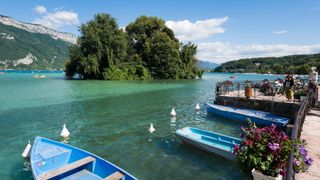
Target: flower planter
(302, 98)
(248, 92)
(259, 176)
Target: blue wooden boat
(212, 142)
(54, 160)
(258, 117)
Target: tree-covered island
(146, 49)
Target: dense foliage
(147, 49)
(268, 149)
(296, 64)
(50, 53)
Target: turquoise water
(111, 119)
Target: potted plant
(265, 152)
(300, 94)
(248, 89)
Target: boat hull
(207, 148)
(48, 156)
(258, 117)
(211, 142)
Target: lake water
(111, 118)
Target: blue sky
(223, 30)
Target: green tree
(291, 70)
(188, 59)
(163, 59)
(155, 45)
(278, 68)
(304, 69)
(101, 45)
(148, 49)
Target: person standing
(288, 87)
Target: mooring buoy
(151, 129)
(197, 107)
(173, 112)
(27, 149)
(64, 133)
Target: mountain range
(206, 65)
(32, 46)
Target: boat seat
(83, 175)
(52, 152)
(66, 168)
(115, 176)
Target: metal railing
(261, 89)
(296, 131)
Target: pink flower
(236, 148)
(273, 146)
(297, 162)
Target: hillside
(297, 64)
(30, 46)
(37, 28)
(206, 65)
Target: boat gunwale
(39, 138)
(205, 142)
(283, 121)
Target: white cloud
(280, 32)
(188, 31)
(220, 52)
(40, 9)
(58, 19)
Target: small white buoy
(173, 112)
(26, 152)
(197, 107)
(151, 129)
(64, 133)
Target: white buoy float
(197, 107)
(173, 113)
(64, 133)
(151, 129)
(26, 152)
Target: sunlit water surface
(111, 119)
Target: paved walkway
(311, 133)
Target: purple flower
(303, 151)
(273, 146)
(308, 161)
(242, 135)
(297, 162)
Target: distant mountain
(32, 46)
(37, 28)
(206, 64)
(297, 64)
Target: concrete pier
(311, 133)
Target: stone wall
(283, 109)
